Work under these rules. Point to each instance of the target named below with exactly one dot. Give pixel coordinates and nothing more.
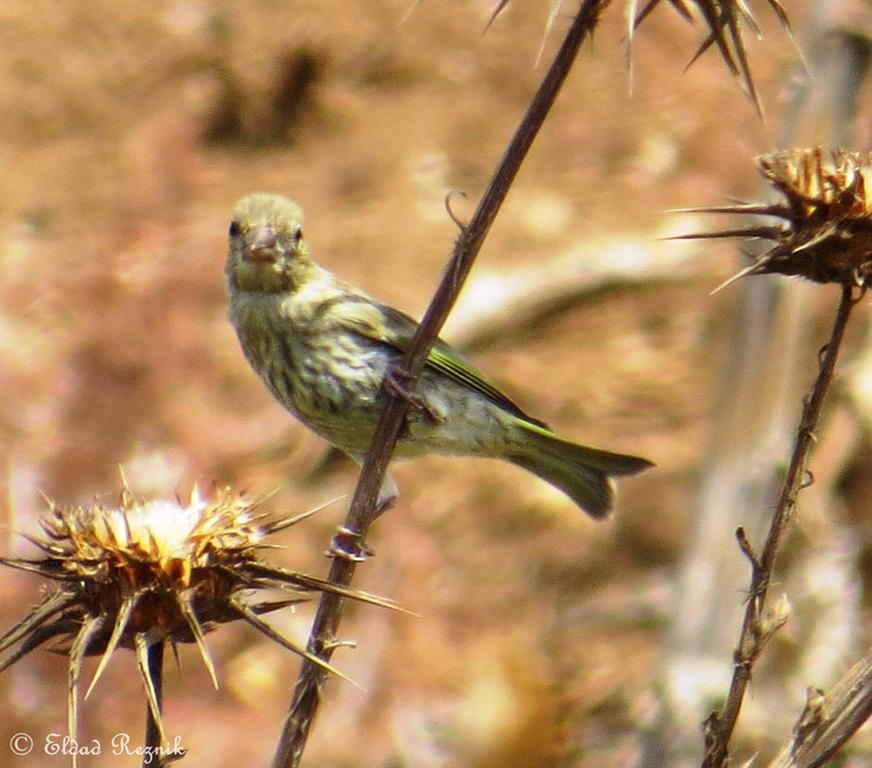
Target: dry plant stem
(828, 721)
(322, 640)
(152, 731)
(719, 727)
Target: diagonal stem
(363, 510)
(720, 726)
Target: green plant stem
(363, 510)
(720, 726)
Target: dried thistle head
(139, 572)
(824, 227)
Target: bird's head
(266, 247)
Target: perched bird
(323, 348)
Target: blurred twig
(322, 639)
(494, 304)
(829, 720)
(755, 633)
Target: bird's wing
(395, 329)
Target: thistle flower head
(823, 227)
(152, 544)
(138, 573)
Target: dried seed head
(143, 572)
(154, 544)
(825, 228)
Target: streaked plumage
(323, 347)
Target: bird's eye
(235, 229)
(297, 235)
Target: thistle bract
(137, 573)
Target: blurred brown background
(127, 132)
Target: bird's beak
(260, 243)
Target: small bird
(323, 347)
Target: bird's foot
(349, 545)
(396, 383)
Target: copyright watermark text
(22, 744)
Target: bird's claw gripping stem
(396, 383)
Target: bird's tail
(582, 473)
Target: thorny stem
(363, 510)
(720, 726)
